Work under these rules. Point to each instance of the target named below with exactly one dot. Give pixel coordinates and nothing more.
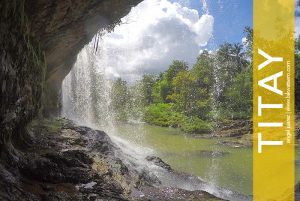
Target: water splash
(86, 91)
(87, 99)
(76, 90)
(212, 174)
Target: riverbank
(232, 133)
(238, 133)
(61, 161)
(218, 165)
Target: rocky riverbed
(238, 133)
(232, 133)
(61, 161)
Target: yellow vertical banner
(273, 100)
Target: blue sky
(230, 18)
(157, 32)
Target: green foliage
(238, 98)
(158, 92)
(249, 42)
(52, 126)
(217, 87)
(183, 87)
(120, 99)
(164, 89)
(175, 68)
(194, 124)
(147, 83)
(165, 84)
(203, 71)
(162, 114)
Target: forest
(217, 88)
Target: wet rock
(102, 143)
(171, 194)
(107, 190)
(159, 162)
(21, 74)
(39, 43)
(57, 168)
(63, 28)
(77, 157)
(147, 178)
(95, 170)
(10, 187)
(58, 196)
(121, 166)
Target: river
(217, 164)
(86, 99)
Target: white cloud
(244, 40)
(151, 36)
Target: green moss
(52, 126)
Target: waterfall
(86, 91)
(87, 98)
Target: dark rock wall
(63, 27)
(39, 41)
(22, 70)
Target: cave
(39, 43)
(45, 156)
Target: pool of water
(219, 165)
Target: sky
(230, 18)
(156, 32)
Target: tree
(184, 85)
(166, 83)
(203, 71)
(238, 57)
(219, 81)
(249, 42)
(230, 60)
(238, 97)
(176, 67)
(120, 99)
(148, 82)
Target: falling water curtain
(273, 100)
